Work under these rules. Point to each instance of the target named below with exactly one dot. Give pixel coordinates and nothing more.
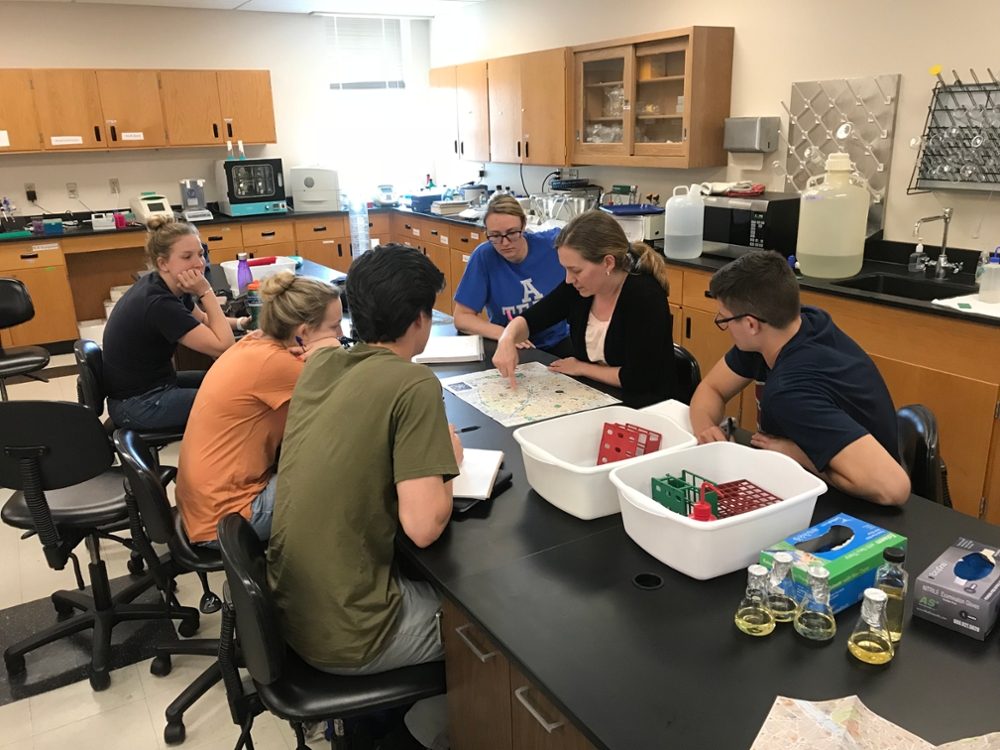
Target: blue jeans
(160, 408)
(261, 513)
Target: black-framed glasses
(511, 237)
(723, 323)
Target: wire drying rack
(960, 145)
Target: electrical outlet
(30, 192)
(116, 187)
(569, 174)
(71, 190)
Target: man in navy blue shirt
(821, 399)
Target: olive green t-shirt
(359, 422)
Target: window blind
(364, 53)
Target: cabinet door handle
(434, 232)
(114, 133)
(549, 727)
(708, 294)
(464, 239)
(407, 226)
(319, 229)
(526, 144)
(687, 328)
(267, 234)
(215, 129)
(229, 129)
(456, 146)
(215, 238)
(340, 250)
(461, 148)
(472, 646)
(97, 133)
(518, 149)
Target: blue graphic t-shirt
(506, 289)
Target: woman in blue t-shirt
(507, 274)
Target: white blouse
(597, 330)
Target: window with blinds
(364, 53)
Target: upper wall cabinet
(18, 122)
(473, 112)
(191, 108)
(444, 110)
(247, 106)
(69, 110)
(659, 100)
(133, 116)
(527, 103)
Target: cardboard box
(961, 589)
(851, 549)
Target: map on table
(540, 394)
(845, 724)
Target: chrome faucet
(941, 265)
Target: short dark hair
(389, 287)
(761, 284)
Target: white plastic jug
(684, 223)
(833, 218)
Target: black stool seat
(304, 693)
(192, 556)
(152, 438)
(19, 360)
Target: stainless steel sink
(907, 287)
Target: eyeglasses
(723, 323)
(511, 237)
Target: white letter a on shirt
(530, 293)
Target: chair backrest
(688, 373)
(257, 626)
(90, 364)
(144, 484)
(919, 451)
(15, 303)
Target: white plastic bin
(259, 272)
(560, 457)
(706, 549)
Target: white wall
(777, 42)
(49, 35)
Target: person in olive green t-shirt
(367, 449)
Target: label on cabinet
(48, 246)
(474, 235)
(444, 240)
(4, 139)
(67, 140)
(416, 232)
(132, 137)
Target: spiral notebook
(444, 349)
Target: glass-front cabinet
(660, 92)
(604, 99)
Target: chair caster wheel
(173, 733)
(136, 564)
(100, 681)
(210, 603)
(14, 664)
(63, 611)
(189, 627)
(160, 666)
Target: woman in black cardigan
(615, 299)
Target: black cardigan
(639, 338)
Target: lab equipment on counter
(148, 204)
(781, 589)
(386, 196)
(892, 579)
(360, 237)
(833, 218)
(250, 186)
(52, 226)
(685, 223)
(102, 222)
(870, 641)
(814, 616)
(989, 282)
(621, 441)
(474, 193)
(193, 206)
(640, 221)
(961, 589)
(753, 615)
(315, 188)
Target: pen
(729, 429)
(298, 340)
(470, 428)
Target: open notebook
(478, 473)
(441, 349)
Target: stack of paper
(442, 349)
(478, 473)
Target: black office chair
(90, 390)
(920, 453)
(16, 308)
(154, 521)
(688, 373)
(286, 685)
(59, 459)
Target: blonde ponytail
(646, 260)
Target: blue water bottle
(243, 273)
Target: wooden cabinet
(133, 115)
(444, 110)
(224, 241)
(527, 108)
(41, 267)
(18, 122)
(659, 100)
(257, 234)
(191, 110)
(379, 228)
(246, 105)
(321, 227)
(707, 343)
(69, 109)
(333, 252)
(473, 112)
(441, 257)
(537, 724)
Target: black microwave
(769, 221)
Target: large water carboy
(684, 223)
(833, 218)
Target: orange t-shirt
(236, 424)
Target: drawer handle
(407, 226)
(472, 646)
(216, 238)
(547, 726)
(434, 232)
(319, 229)
(687, 327)
(267, 234)
(29, 256)
(465, 239)
(708, 294)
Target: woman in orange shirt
(227, 459)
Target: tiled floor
(129, 714)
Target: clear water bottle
(243, 273)
(360, 237)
